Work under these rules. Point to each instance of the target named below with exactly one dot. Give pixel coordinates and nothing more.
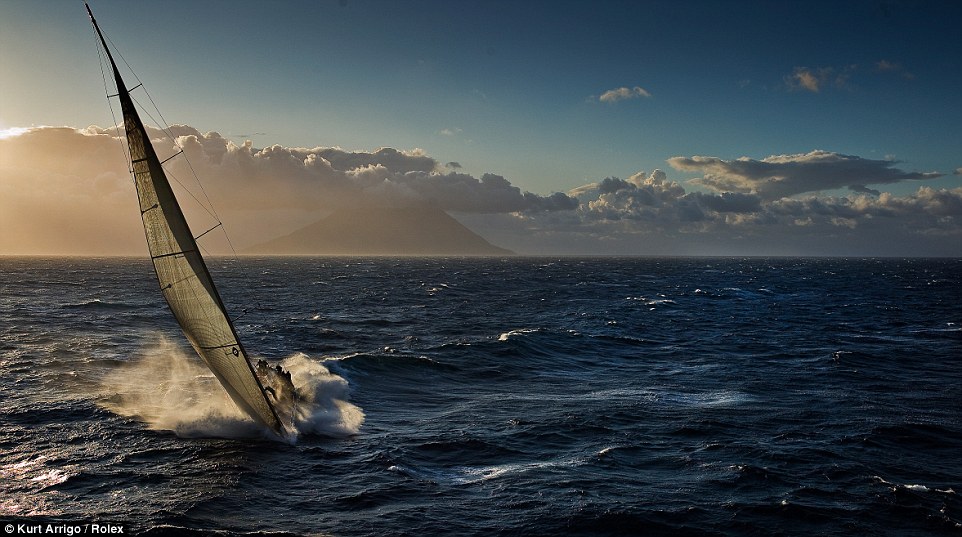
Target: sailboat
(185, 281)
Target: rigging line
(200, 184)
(205, 252)
(208, 206)
(140, 83)
(167, 131)
(145, 110)
(171, 175)
(103, 75)
(181, 152)
(164, 126)
(209, 230)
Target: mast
(183, 275)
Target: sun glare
(11, 132)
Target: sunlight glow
(11, 132)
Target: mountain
(421, 230)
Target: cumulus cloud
(787, 175)
(292, 177)
(655, 199)
(88, 180)
(929, 203)
(648, 213)
(816, 79)
(623, 93)
(806, 79)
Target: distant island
(415, 231)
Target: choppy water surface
(496, 396)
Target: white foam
(464, 475)
(915, 487)
(519, 332)
(323, 406)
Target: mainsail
(183, 276)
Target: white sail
(183, 276)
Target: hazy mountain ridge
(419, 230)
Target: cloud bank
(781, 176)
(67, 191)
(326, 177)
(666, 205)
(649, 214)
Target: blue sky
(514, 88)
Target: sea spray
(170, 390)
(322, 407)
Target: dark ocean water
(500, 397)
